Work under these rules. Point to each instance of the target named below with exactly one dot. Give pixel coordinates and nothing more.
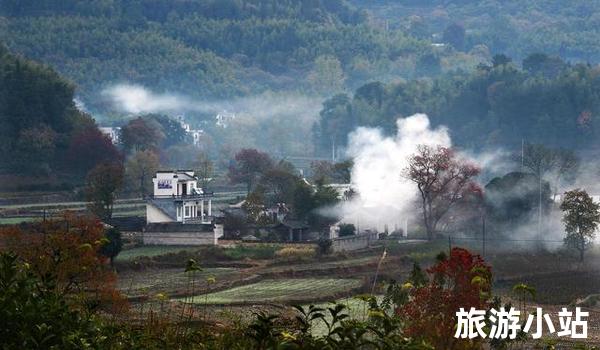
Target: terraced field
(281, 291)
(151, 251)
(173, 281)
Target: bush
(295, 253)
(251, 251)
(347, 230)
(324, 246)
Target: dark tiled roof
(293, 224)
(178, 227)
(166, 205)
(128, 223)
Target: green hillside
(209, 48)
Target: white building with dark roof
(179, 212)
(177, 198)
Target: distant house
(179, 212)
(196, 134)
(292, 230)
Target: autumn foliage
(67, 252)
(443, 179)
(461, 280)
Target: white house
(177, 198)
(196, 134)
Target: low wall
(355, 242)
(180, 234)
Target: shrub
(324, 246)
(347, 230)
(431, 312)
(295, 253)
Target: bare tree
(554, 165)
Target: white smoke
(385, 197)
(136, 99)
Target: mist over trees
(211, 48)
(493, 106)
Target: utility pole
(540, 210)
(449, 245)
(333, 149)
(522, 155)
(483, 235)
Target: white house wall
(154, 215)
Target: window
(187, 212)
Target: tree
(325, 172)
(442, 179)
(500, 60)
(34, 315)
(141, 134)
(549, 66)
(255, 207)
(335, 124)
(113, 245)
(538, 159)
(429, 64)
(204, 169)
(543, 162)
(462, 280)
(454, 35)
(514, 198)
(280, 183)
(323, 198)
(67, 250)
(347, 230)
(247, 166)
(327, 75)
(87, 148)
(140, 168)
(172, 130)
(102, 184)
(581, 218)
(34, 149)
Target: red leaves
(462, 280)
(443, 179)
(67, 249)
(90, 147)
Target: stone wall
(355, 242)
(180, 234)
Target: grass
(151, 251)
(254, 251)
(18, 220)
(281, 290)
(171, 280)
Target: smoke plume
(385, 197)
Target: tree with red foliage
(88, 148)
(461, 280)
(443, 179)
(142, 134)
(248, 165)
(66, 250)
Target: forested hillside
(42, 132)
(517, 28)
(547, 102)
(210, 48)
